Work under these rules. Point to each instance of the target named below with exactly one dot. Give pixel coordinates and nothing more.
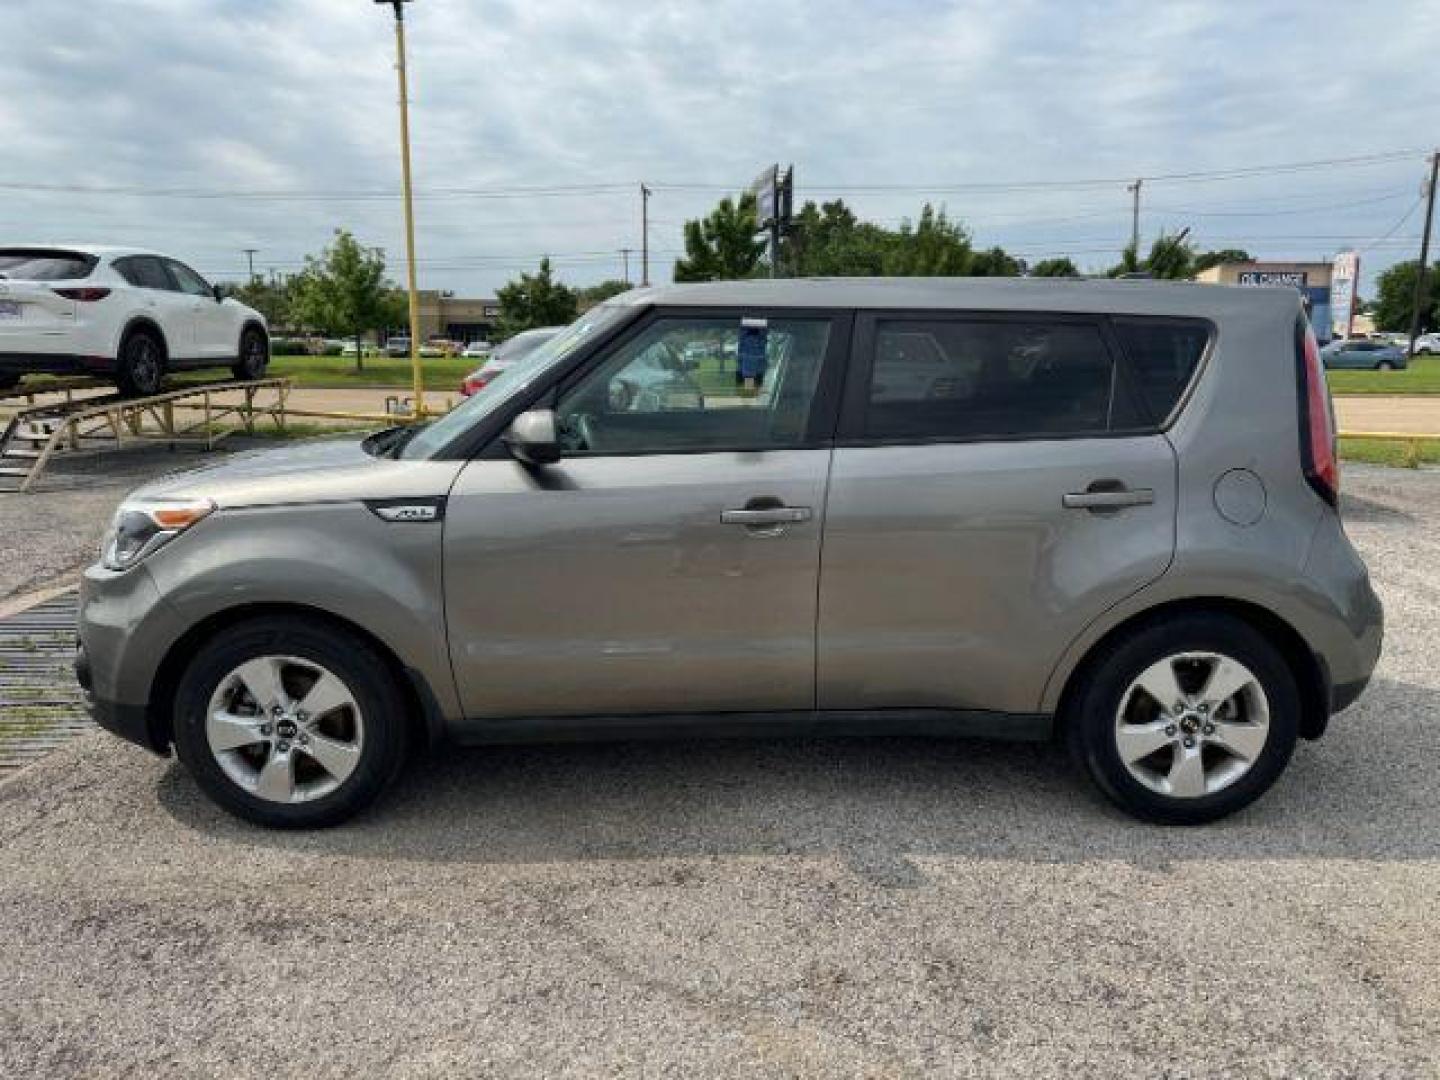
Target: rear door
(161, 299)
(997, 483)
(669, 563)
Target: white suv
(119, 313)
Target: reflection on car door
(979, 517)
(669, 563)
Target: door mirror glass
(215, 292)
(531, 438)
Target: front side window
(960, 379)
(188, 280)
(694, 384)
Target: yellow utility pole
(399, 6)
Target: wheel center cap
(1189, 723)
(287, 728)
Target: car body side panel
(1241, 422)
(336, 558)
(953, 576)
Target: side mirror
(532, 439)
(219, 296)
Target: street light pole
(250, 257)
(399, 6)
(644, 236)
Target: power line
(622, 187)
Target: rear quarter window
(32, 264)
(1164, 355)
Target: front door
(214, 334)
(669, 563)
(998, 482)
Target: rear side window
(1163, 355)
(34, 264)
(144, 272)
(960, 379)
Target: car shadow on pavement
(1365, 792)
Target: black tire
(364, 672)
(254, 355)
(1093, 708)
(140, 367)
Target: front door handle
(1106, 496)
(770, 515)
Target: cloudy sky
(204, 127)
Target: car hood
(327, 469)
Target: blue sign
(754, 337)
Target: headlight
(140, 528)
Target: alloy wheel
(285, 729)
(1192, 724)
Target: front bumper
(133, 723)
(126, 628)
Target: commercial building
(445, 315)
(1314, 281)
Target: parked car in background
(508, 353)
(1364, 353)
(477, 350)
(397, 346)
(351, 350)
(1103, 512)
(119, 313)
(432, 351)
(1427, 344)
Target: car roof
(1079, 295)
(105, 251)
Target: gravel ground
(857, 908)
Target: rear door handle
(770, 515)
(1108, 498)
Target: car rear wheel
(140, 367)
(1186, 720)
(254, 356)
(290, 723)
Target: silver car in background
(1104, 512)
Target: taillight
(1318, 452)
(87, 294)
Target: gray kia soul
(1097, 511)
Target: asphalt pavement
(850, 908)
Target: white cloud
(267, 95)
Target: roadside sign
(764, 191)
(1344, 273)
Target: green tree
(995, 263)
(344, 291)
(536, 300)
(1171, 257)
(1061, 267)
(830, 241)
(275, 299)
(934, 246)
(722, 246)
(1395, 302)
(1206, 259)
(598, 294)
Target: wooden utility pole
(644, 236)
(1134, 190)
(1424, 252)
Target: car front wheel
(290, 723)
(1187, 720)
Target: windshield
(438, 433)
(35, 264)
(524, 343)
